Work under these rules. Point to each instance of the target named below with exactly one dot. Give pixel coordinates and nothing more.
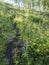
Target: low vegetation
(33, 28)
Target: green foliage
(6, 31)
(33, 28)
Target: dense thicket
(33, 27)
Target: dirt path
(13, 45)
(9, 52)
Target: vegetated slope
(33, 27)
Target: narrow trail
(13, 45)
(8, 53)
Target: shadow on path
(9, 52)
